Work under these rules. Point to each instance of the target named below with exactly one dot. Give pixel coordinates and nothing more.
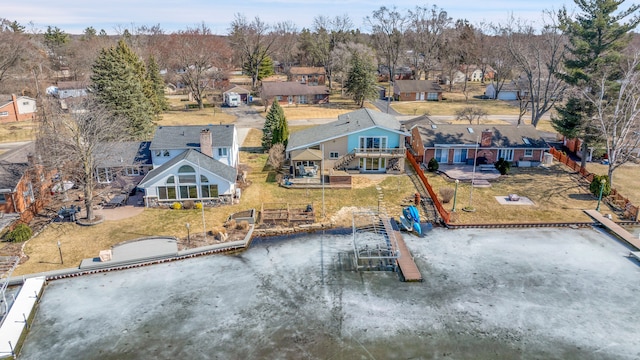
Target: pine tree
(361, 80)
(596, 39)
(119, 80)
(265, 69)
(276, 130)
(156, 83)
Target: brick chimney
(206, 142)
(486, 138)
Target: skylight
(526, 141)
(470, 130)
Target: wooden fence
(444, 214)
(630, 211)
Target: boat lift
(373, 245)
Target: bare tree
(388, 28)
(500, 58)
(617, 112)
(252, 42)
(471, 114)
(75, 142)
(539, 57)
(285, 47)
(198, 56)
(327, 34)
(425, 36)
(11, 48)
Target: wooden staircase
(344, 160)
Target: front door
(459, 156)
(290, 98)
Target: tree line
(575, 63)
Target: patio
(466, 173)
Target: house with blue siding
(363, 141)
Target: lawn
(557, 193)
(195, 117)
(451, 105)
(18, 131)
(625, 179)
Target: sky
(73, 16)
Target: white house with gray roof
(364, 140)
(192, 163)
(217, 141)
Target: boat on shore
(410, 219)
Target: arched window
(186, 169)
(203, 179)
(171, 180)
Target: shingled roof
(346, 124)
(503, 136)
(188, 137)
(410, 86)
(287, 88)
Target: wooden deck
(615, 228)
(405, 261)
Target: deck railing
(444, 214)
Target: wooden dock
(405, 261)
(615, 228)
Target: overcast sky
(74, 16)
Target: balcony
(380, 152)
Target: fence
(444, 214)
(630, 211)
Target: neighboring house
(19, 108)
(460, 144)
(416, 90)
(192, 163)
(509, 91)
(474, 73)
(289, 93)
(67, 89)
(129, 159)
(400, 73)
(25, 187)
(364, 140)
(312, 76)
(244, 93)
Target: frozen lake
(487, 294)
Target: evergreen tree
(119, 81)
(276, 130)
(156, 85)
(596, 38)
(265, 69)
(361, 79)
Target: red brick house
(312, 76)
(416, 90)
(293, 93)
(20, 108)
(460, 144)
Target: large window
(302, 99)
(167, 193)
(209, 191)
(373, 164)
(528, 153)
(432, 96)
(188, 191)
(222, 151)
(442, 155)
(186, 175)
(3, 199)
(459, 156)
(506, 154)
(373, 143)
